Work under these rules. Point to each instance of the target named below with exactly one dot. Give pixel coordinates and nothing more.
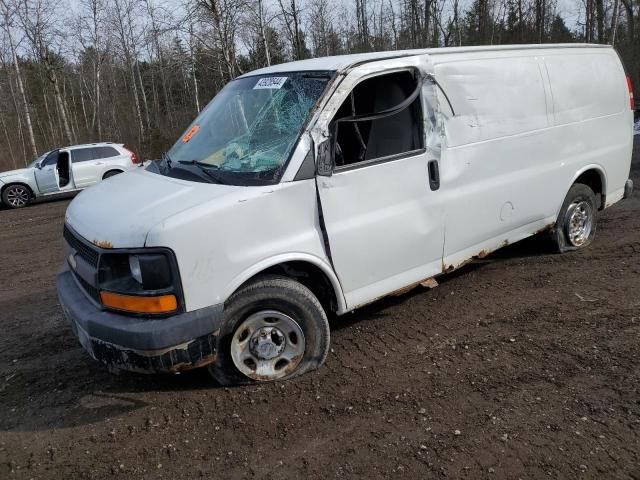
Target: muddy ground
(524, 365)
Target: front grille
(89, 289)
(85, 251)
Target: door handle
(434, 174)
(98, 163)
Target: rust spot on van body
(103, 243)
(204, 361)
(546, 228)
(429, 282)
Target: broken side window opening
(64, 174)
(371, 139)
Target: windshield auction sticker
(189, 135)
(270, 82)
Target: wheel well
(311, 277)
(113, 170)
(593, 179)
(17, 183)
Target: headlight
(139, 282)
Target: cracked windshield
(247, 133)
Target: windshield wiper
(167, 160)
(206, 169)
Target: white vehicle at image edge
(312, 188)
(63, 171)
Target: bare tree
(261, 29)
(40, 22)
(120, 15)
(291, 19)
(193, 68)
(157, 30)
(92, 37)
(224, 16)
(7, 12)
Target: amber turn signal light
(138, 304)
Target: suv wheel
(274, 329)
(16, 196)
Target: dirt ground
(523, 365)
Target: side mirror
(39, 165)
(325, 161)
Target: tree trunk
(160, 56)
(263, 36)
(137, 102)
(144, 95)
(6, 134)
(614, 21)
(97, 110)
(27, 113)
(296, 29)
(53, 79)
(196, 94)
(427, 21)
(17, 109)
(600, 20)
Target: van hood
(11, 173)
(119, 212)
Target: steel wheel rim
(267, 345)
(17, 196)
(579, 223)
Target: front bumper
(148, 345)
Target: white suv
(65, 170)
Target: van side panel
(525, 128)
(585, 86)
(497, 156)
(493, 98)
(592, 116)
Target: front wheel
(16, 196)
(576, 224)
(274, 329)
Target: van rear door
(383, 220)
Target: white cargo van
(318, 186)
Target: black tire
(273, 293)
(16, 196)
(582, 197)
(111, 173)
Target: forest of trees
(138, 71)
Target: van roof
(341, 62)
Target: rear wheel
(576, 224)
(16, 196)
(274, 329)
